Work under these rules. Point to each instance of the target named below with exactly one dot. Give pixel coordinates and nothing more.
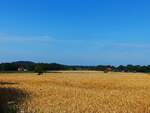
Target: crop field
(78, 92)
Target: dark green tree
(39, 69)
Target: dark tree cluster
(31, 66)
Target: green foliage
(12, 109)
(39, 69)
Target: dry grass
(82, 92)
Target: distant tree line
(31, 66)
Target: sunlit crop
(81, 92)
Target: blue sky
(86, 32)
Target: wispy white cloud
(45, 39)
(131, 45)
(24, 39)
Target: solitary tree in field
(39, 69)
(107, 70)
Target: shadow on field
(7, 83)
(10, 98)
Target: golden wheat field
(81, 92)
